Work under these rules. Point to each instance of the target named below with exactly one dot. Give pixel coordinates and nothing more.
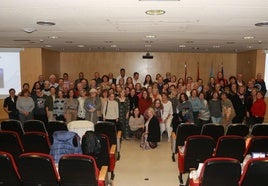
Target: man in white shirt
(136, 78)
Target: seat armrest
(113, 149)
(173, 142)
(113, 157)
(103, 176)
(173, 136)
(180, 160)
(118, 140)
(119, 134)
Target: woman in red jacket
(144, 102)
(258, 108)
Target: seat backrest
(109, 129)
(260, 130)
(34, 126)
(11, 143)
(36, 142)
(255, 172)
(53, 126)
(198, 148)
(213, 130)
(9, 174)
(80, 126)
(220, 172)
(258, 144)
(185, 130)
(38, 169)
(231, 146)
(13, 125)
(78, 170)
(237, 129)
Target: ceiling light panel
(155, 12)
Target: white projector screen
(9, 71)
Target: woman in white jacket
(167, 113)
(111, 111)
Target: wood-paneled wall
(250, 63)
(31, 65)
(50, 63)
(105, 62)
(36, 61)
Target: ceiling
(123, 25)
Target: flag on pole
(211, 74)
(197, 76)
(185, 73)
(222, 70)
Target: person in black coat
(152, 127)
(10, 105)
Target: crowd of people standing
(135, 105)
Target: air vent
(22, 40)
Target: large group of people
(141, 108)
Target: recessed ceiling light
(262, 24)
(248, 37)
(113, 46)
(41, 40)
(150, 37)
(182, 46)
(216, 46)
(189, 41)
(80, 46)
(53, 37)
(29, 30)
(48, 46)
(45, 23)
(155, 12)
(250, 46)
(159, 0)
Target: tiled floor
(139, 167)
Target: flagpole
(185, 73)
(197, 76)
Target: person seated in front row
(136, 123)
(152, 130)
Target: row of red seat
(199, 148)
(215, 131)
(40, 169)
(227, 172)
(39, 142)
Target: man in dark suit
(111, 78)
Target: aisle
(139, 167)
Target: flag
(197, 76)
(185, 73)
(222, 70)
(211, 74)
